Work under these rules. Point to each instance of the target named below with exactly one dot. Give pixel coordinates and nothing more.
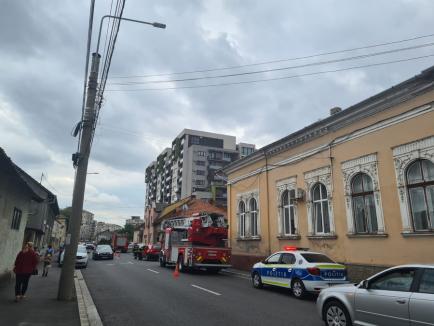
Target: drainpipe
(268, 203)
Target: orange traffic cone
(176, 272)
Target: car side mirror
(364, 284)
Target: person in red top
(25, 264)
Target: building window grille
(320, 209)
(288, 212)
(16, 219)
(253, 217)
(420, 186)
(200, 172)
(364, 211)
(242, 214)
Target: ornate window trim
(281, 186)
(311, 178)
(245, 197)
(403, 156)
(364, 164)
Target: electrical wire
(279, 60)
(272, 79)
(362, 56)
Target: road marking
(129, 263)
(203, 289)
(151, 270)
(110, 264)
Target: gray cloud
(42, 66)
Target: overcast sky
(42, 60)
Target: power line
(357, 57)
(280, 60)
(272, 79)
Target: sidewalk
(40, 308)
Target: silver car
(402, 295)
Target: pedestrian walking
(47, 262)
(25, 266)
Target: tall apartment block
(189, 167)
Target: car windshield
(156, 246)
(81, 249)
(317, 258)
(104, 248)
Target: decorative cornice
(413, 146)
(317, 172)
(383, 101)
(286, 181)
(362, 160)
(340, 140)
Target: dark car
(90, 247)
(151, 251)
(102, 252)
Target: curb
(237, 273)
(87, 310)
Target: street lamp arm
(154, 24)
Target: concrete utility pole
(66, 284)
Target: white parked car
(80, 259)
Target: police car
(300, 270)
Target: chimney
(335, 110)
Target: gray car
(402, 295)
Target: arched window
(420, 185)
(364, 212)
(242, 213)
(253, 217)
(320, 209)
(288, 214)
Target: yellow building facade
(357, 185)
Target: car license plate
(333, 274)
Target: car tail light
(313, 271)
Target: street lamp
(66, 281)
(157, 25)
(92, 172)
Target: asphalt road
(129, 292)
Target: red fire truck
(119, 242)
(195, 242)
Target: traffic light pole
(66, 283)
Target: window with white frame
(414, 168)
(253, 217)
(287, 207)
(320, 209)
(288, 212)
(242, 219)
(248, 215)
(319, 202)
(362, 194)
(420, 186)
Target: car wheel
(257, 281)
(298, 289)
(335, 314)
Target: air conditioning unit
(299, 194)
